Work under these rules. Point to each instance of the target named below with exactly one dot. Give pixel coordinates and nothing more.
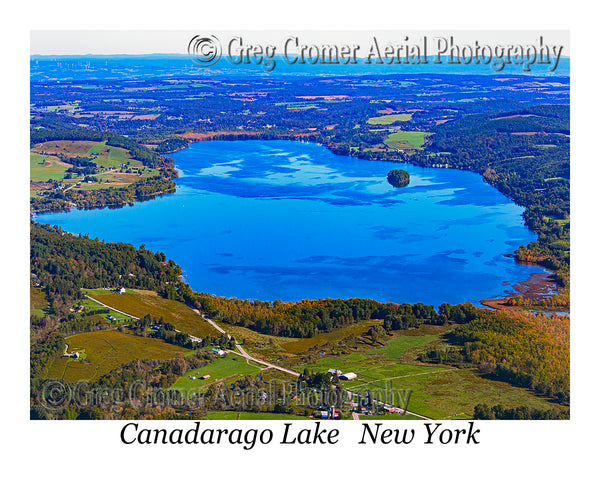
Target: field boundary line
(111, 308)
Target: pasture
(229, 415)
(390, 119)
(106, 350)
(44, 167)
(141, 302)
(90, 305)
(406, 140)
(438, 391)
(356, 330)
(228, 369)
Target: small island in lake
(398, 178)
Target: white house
(348, 376)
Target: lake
(291, 220)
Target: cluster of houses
(331, 413)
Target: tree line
(530, 351)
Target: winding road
(242, 353)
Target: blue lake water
(290, 220)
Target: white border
(93, 450)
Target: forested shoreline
(503, 345)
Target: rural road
(245, 354)
(108, 306)
(78, 184)
(242, 352)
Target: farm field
(69, 148)
(104, 351)
(389, 416)
(229, 368)
(90, 305)
(389, 119)
(266, 347)
(406, 140)
(445, 393)
(44, 167)
(438, 391)
(227, 415)
(45, 164)
(356, 330)
(140, 302)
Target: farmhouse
(333, 371)
(348, 376)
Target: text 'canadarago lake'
(290, 220)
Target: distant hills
(84, 67)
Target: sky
(110, 42)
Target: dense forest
(530, 351)
(499, 412)
(62, 264)
(398, 178)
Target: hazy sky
(82, 42)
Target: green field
(394, 350)
(44, 167)
(228, 368)
(406, 140)
(45, 164)
(226, 415)
(106, 350)
(438, 391)
(139, 303)
(452, 393)
(97, 148)
(90, 305)
(389, 416)
(111, 157)
(389, 119)
(266, 347)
